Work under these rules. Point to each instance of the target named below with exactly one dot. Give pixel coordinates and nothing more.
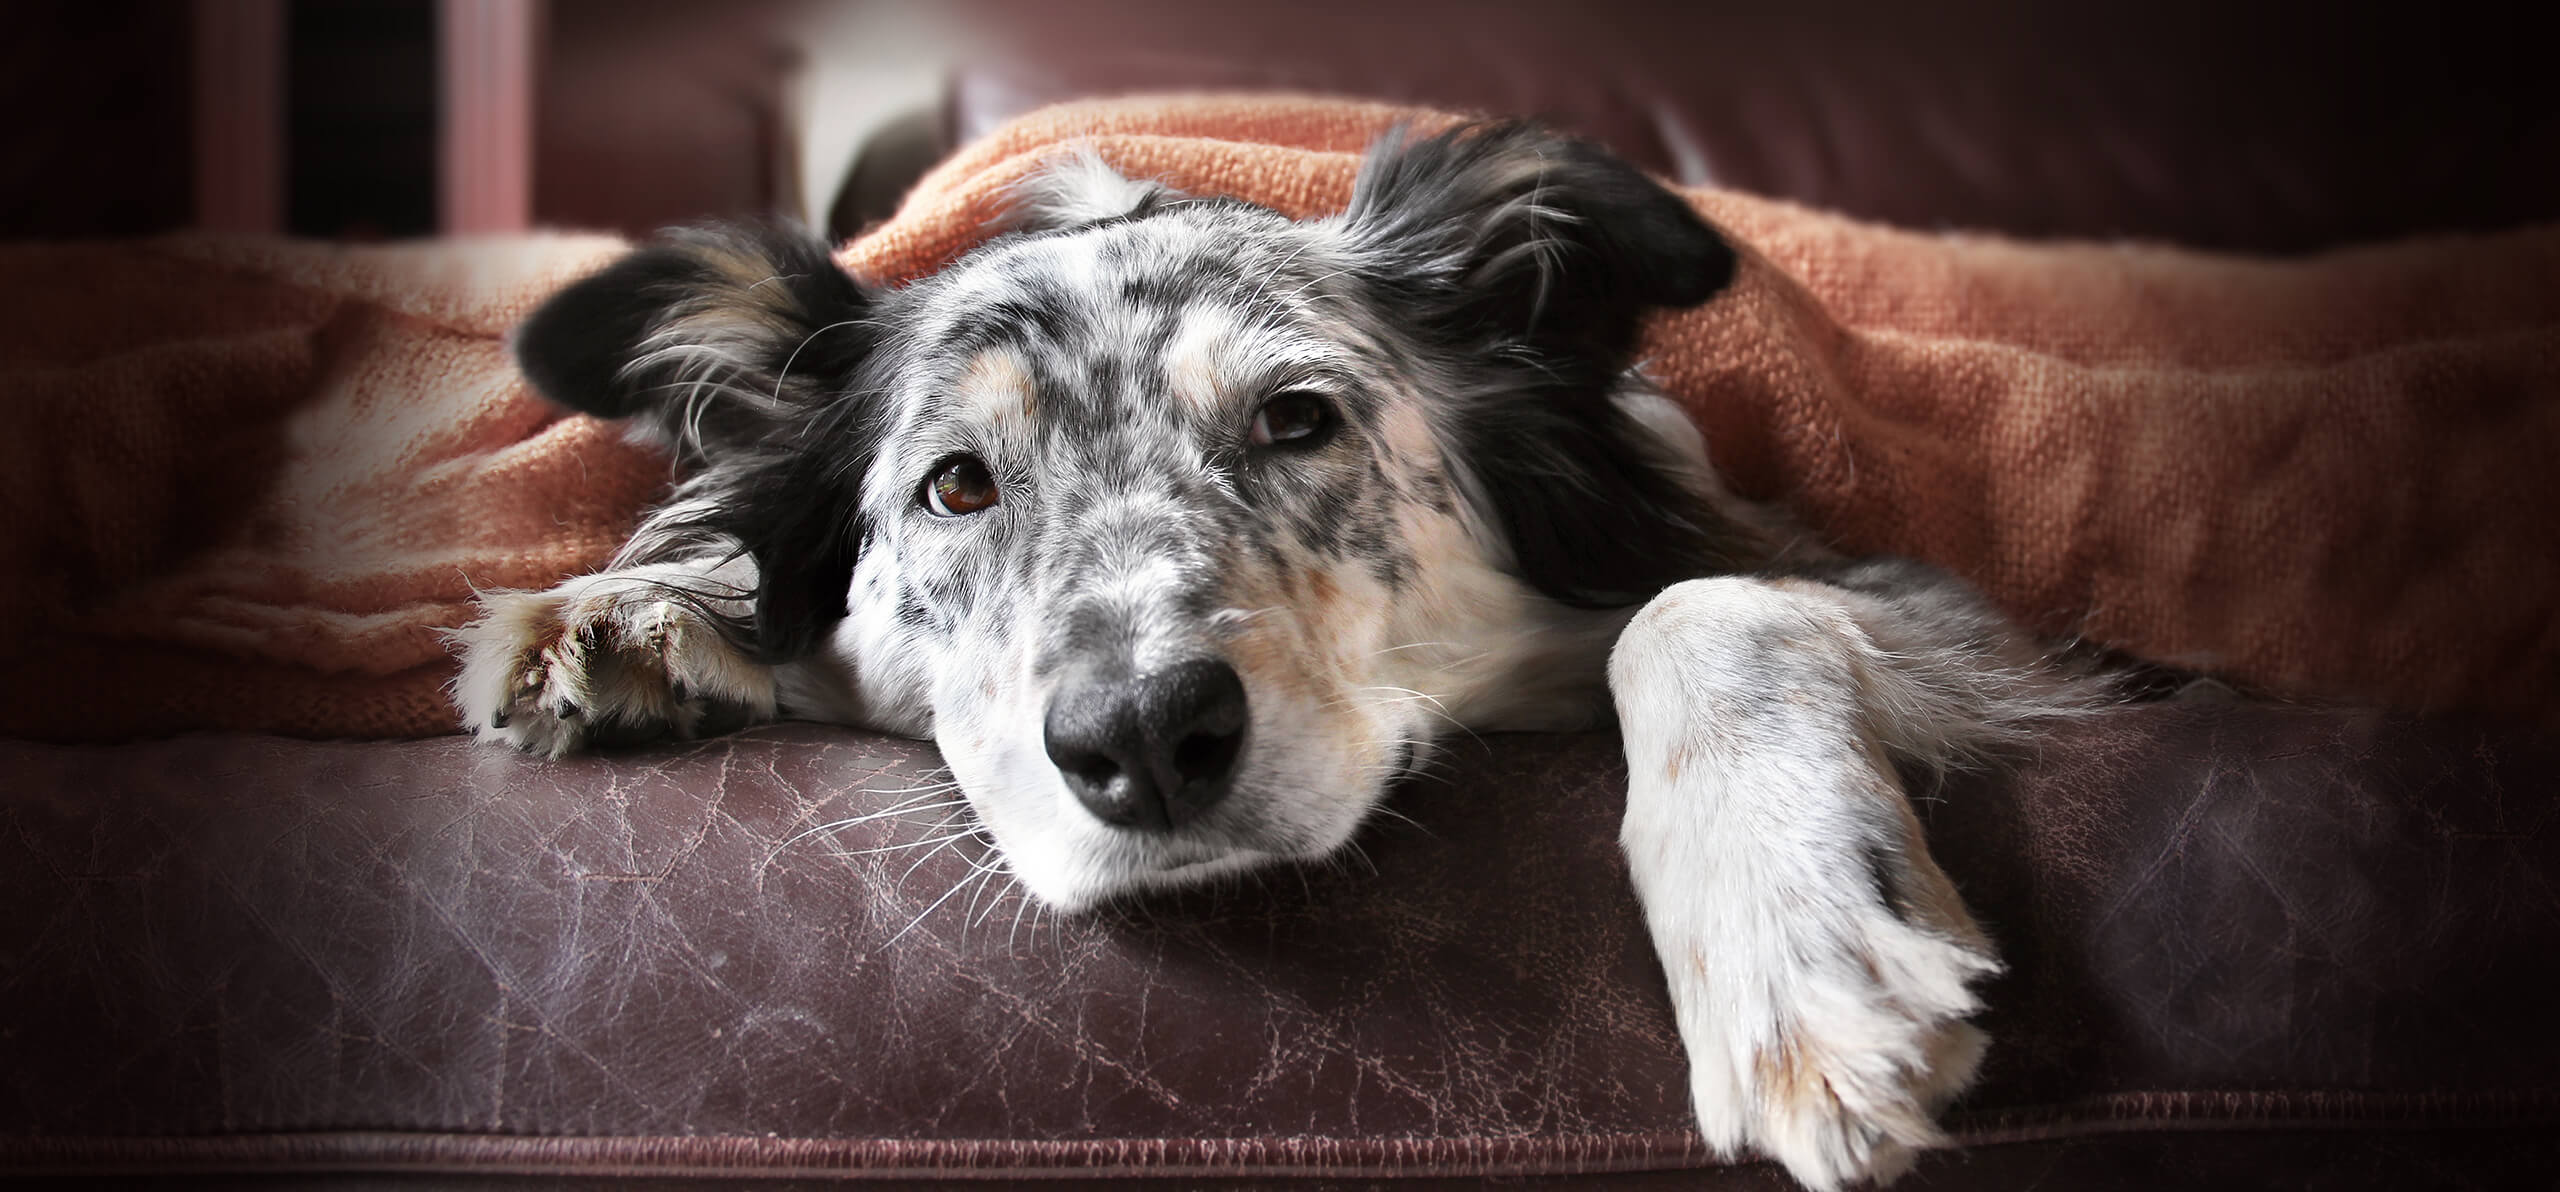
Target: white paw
(607, 659)
(1832, 1047)
(1820, 962)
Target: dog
(1185, 529)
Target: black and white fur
(1274, 505)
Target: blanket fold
(252, 482)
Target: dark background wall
(2269, 126)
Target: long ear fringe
(705, 338)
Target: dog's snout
(1152, 751)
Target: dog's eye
(1295, 418)
(960, 486)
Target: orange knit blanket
(252, 481)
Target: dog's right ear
(708, 338)
(739, 345)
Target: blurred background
(2277, 128)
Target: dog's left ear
(1526, 260)
(1512, 234)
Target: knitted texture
(253, 480)
(262, 477)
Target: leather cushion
(2214, 917)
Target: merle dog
(1184, 529)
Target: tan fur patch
(1791, 1073)
(997, 384)
(753, 308)
(1321, 590)
(1270, 652)
(1265, 659)
(1191, 360)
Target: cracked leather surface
(383, 952)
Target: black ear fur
(1527, 261)
(798, 513)
(743, 346)
(706, 336)
(1512, 232)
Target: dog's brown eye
(959, 487)
(1294, 417)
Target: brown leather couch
(2250, 945)
(2254, 946)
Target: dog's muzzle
(1149, 752)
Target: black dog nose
(1150, 751)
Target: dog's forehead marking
(1194, 358)
(1168, 317)
(1222, 354)
(995, 388)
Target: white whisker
(929, 909)
(900, 848)
(911, 807)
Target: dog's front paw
(1830, 1047)
(608, 659)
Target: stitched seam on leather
(745, 1157)
(2288, 1109)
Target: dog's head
(1182, 527)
